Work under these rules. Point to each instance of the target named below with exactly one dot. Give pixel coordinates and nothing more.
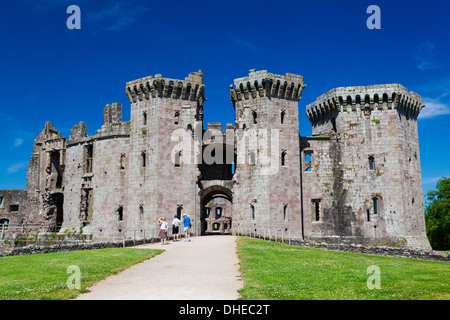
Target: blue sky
(51, 73)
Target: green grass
(278, 271)
(44, 276)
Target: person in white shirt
(175, 228)
(163, 226)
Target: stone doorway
(216, 211)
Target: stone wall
(13, 206)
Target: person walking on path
(163, 226)
(187, 227)
(175, 228)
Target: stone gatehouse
(356, 180)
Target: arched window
(285, 213)
(283, 114)
(371, 163)
(255, 117)
(120, 213)
(141, 212)
(144, 118)
(4, 224)
(177, 159)
(375, 202)
(143, 159)
(283, 158)
(180, 211)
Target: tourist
(175, 228)
(187, 227)
(163, 226)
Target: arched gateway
(216, 210)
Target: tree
(437, 215)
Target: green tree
(437, 215)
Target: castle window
(144, 121)
(252, 209)
(89, 150)
(368, 215)
(283, 158)
(316, 209)
(375, 203)
(141, 212)
(120, 214)
(285, 213)
(255, 116)
(1, 202)
(283, 114)
(122, 161)
(218, 212)
(371, 163)
(14, 208)
(177, 117)
(179, 211)
(308, 161)
(207, 211)
(143, 159)
(4, 224)
(177, 159)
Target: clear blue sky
(51, 73)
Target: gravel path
(206, 268)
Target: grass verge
(276, 271)
(44, 276)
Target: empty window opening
(371, 163)
(177, 159)
(4, 224)
(283, 114)
(120, 213)
(375, 205)
(1, 202)
(368, 215)
(177, 117)
(216, 226)
(283, 158)
(285, 216)
(252, 209)
(141, 212)
(143, 159)
(180, 211)
(89, 151)
(14, 208)
(316, 209)
(308, 162)
(144, 118)
(255, 117)
(218, 212)
(207, 211)
(122, 161)
(333, 123)
(412, 201)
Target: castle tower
(267, 178)
(165, 113)
(361, 169)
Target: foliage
(437, 215)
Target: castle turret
(267, 178)
(372, 156)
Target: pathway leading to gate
(206, 268)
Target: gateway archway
(216, 210)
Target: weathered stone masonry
(357, 180)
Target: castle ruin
(356, 180)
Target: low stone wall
(379, 250)
(33, 249)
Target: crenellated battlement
(191, 88)
(380, 97)
(264, 84)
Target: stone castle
(356, 180)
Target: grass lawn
(278, 271)
(44, 276)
